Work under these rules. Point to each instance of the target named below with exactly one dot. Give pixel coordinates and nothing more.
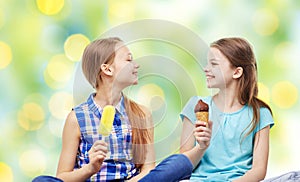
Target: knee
(180, 161)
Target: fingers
(100, 142)
(199, 132)
(99, 146)
(97, 154)
(98, 150)
(201, 126)
(202, 133)
(200, 123)
(202, 136)
(100, 155)
(95, 160)
(203, 123)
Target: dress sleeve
(188, 110)
(265, 119)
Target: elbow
(59, 177)
(182, 151)
(62, 175)
(263, 174)
(260, 173)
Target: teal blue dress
(229, 155)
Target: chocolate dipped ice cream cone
(201, 111)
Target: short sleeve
(265, 119)
(188, 110)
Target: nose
(136, 65)
(206, 68)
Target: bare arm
(190, 134)
(260, 157)
(70, 143)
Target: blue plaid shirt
(118, 163)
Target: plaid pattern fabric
(118, 163)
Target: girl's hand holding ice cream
(98, 151)
(97, 154)
(202, 131)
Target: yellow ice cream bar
(107, 120)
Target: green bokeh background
(37, 70)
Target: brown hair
(240, 54)
(98, 52)
(102, 51)
(142, 130)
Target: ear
(106, 69)
(238, 72)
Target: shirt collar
(97, 110)
(120, 107)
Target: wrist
(201, 148)
(89, 169)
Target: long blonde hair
(240, 54)
(102, 51)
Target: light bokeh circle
(74, 46)
(50, 7)
(6, 55)
(32, 162)
(284, 94)
(6, 173)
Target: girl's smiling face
(125, 69)
(218, 71)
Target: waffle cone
(202, 116)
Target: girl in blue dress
(234, 145)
